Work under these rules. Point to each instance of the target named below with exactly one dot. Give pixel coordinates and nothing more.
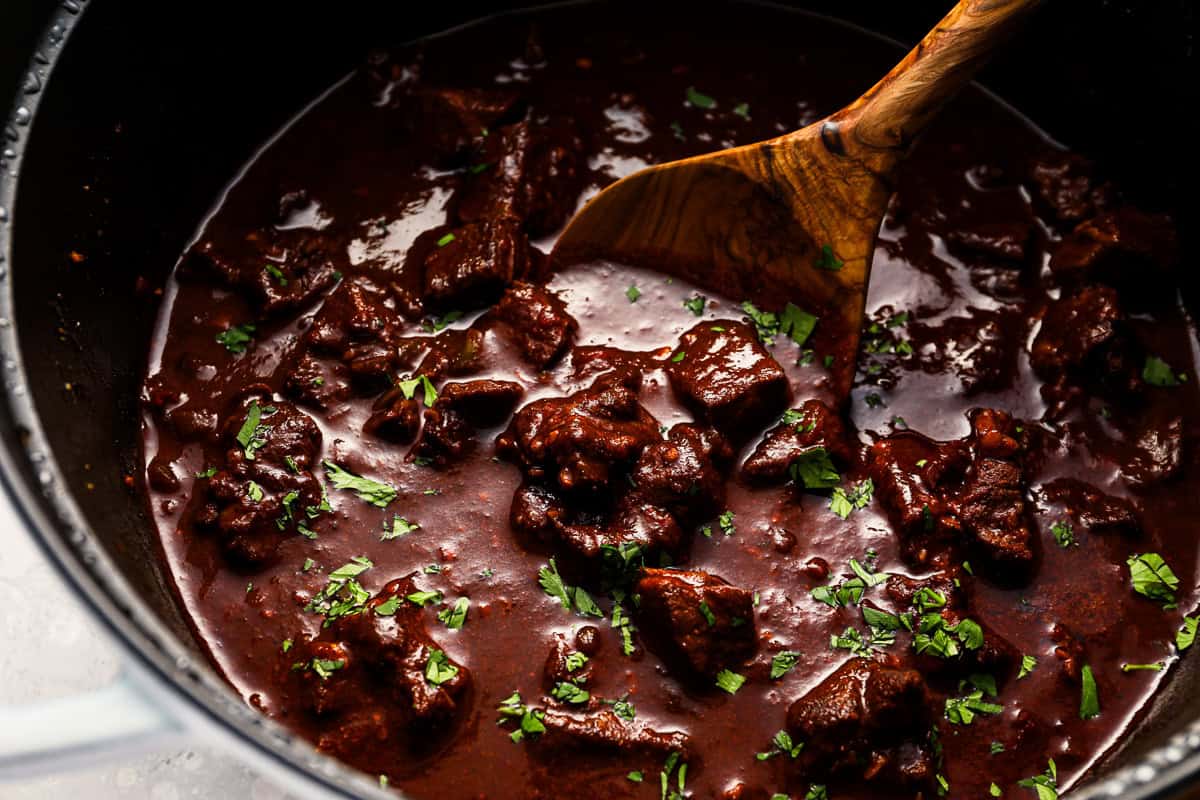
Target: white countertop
(50, 648)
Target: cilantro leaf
(1152, 578)
(730, 681)
(371, 491)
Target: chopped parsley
(624, 625)
(793, 322)
(454, 617)
(664, 778)
(254, 492)
(725, 523)
(437, 324)
(373, 492)
(575, 661)
(208, 473)
(1187, 634)
(445, 240)
(813, 469)
(635, 776)
(570, 693)
(342, 596)
(236, 338)
(730, 681)
(850, 590)
(816, 791)
(569, 596)
(827, 260)
(399, 527)
(633, 293)
(843, 503)
(1046, 784)
(962, 710)
(781, 745)
(276, 273)
(623, 708)
(699, 100)
(995, 791)
(438, 668)
(529, 720)
(409, 388)
(853, 640)
(322, 667)
(1152, 578)
(1089, 698)
(709, 617)
(388, 607)
(996, 748)
(251, 435)
(1064, 534)
(422, 597)
(695, 305)
(1157, 372)
(1028, 665)
(783, 663)
(1157, 666)
(742, 110)
(680, 356)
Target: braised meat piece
(546, 515)
(1083, 338)
(357, 312)
(1157, 453)
(277, 271)
(1064, 184)
(813, 425)
(319, 383)
(681, 474)
(578, 442)
(1125, 248)
(373, 676)
(259, 495)
(531, 171)
(866, 721)
(394, 417)
(970, 493)
(471, 266)
(696, 619)
(537, 322)
(454, 352)
(607, 730)
(460, 119)
(1097, 511)
(461, 409)
(728, 377)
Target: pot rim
(30, 474)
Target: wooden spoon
(795, 218)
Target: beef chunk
(1063, 183)
(356, 312)
(1095, 510)
(454, 352)
(578, 442)
(1004, 242)
(1157, 453)
(394, 417)
(1124, 248)
(315, 382)
(365, 677)
(1082, 336)
(538, 322)
(477, 265)
(459, 119)
(460, 409)
(912, 476)
(992, 508)
(696, 618)
(813, 425)
(866, 721)
(256, 498)
(727, 376)
(535, 171)
(970, 492)
(606, 730)
(681, 473)
(276, 270)
(586, 529)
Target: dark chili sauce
(367, 185)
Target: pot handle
(53, 736)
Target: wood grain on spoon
(795, 218)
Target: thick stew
(485, 531)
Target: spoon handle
(881, 125)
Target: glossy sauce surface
(374, 186)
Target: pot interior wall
(150, 112)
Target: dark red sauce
(974, 272)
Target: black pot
(134, 116)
